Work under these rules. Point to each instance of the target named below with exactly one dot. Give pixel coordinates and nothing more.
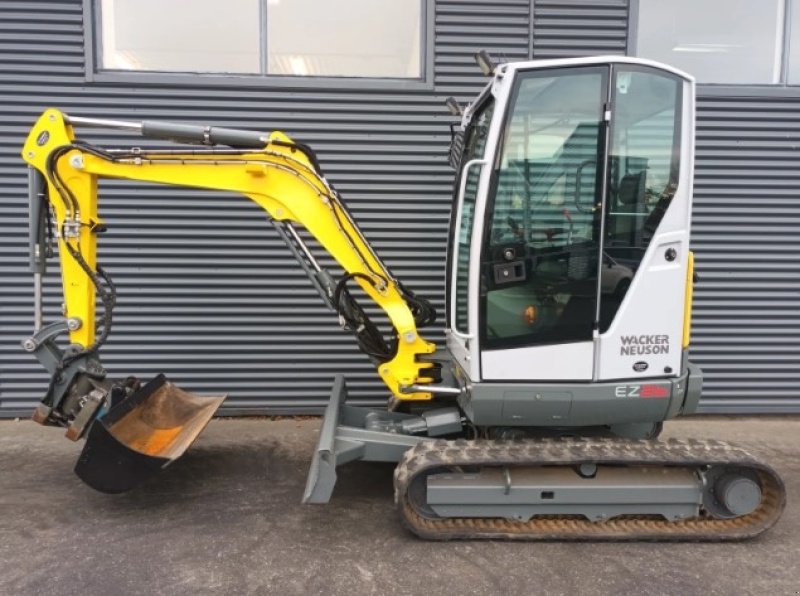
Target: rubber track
(427, 456)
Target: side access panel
(575, 404)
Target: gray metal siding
(746, 237)
(209, 295)
(571, 28)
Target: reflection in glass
(717, 41)
(643, 175)
(181, 35)
(539, 270)
(345, 38)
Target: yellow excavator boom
(281, 177)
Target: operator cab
(569, 240)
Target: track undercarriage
(562, 488)
(586, 489)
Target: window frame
(94, 73)
(781, 89)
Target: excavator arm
(280, 175)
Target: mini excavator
(569, 293)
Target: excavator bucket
(142, 435)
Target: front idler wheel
(731, 492)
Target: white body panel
(654, 304)
(553, 362)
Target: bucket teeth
(143, 434)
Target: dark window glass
(643, 175)
(540, 260)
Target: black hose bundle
(369, 338)
(105, 288)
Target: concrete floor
(227, 519)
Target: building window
(308, 38)
(718, 41)
(793, 55)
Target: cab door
(538, 263)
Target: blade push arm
(278, 174)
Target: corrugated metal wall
(747, 241)
(209, 295)
(570, 28)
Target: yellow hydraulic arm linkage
(281, 175)
(281, 178)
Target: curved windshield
(474, 147)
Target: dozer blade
(142, 435)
